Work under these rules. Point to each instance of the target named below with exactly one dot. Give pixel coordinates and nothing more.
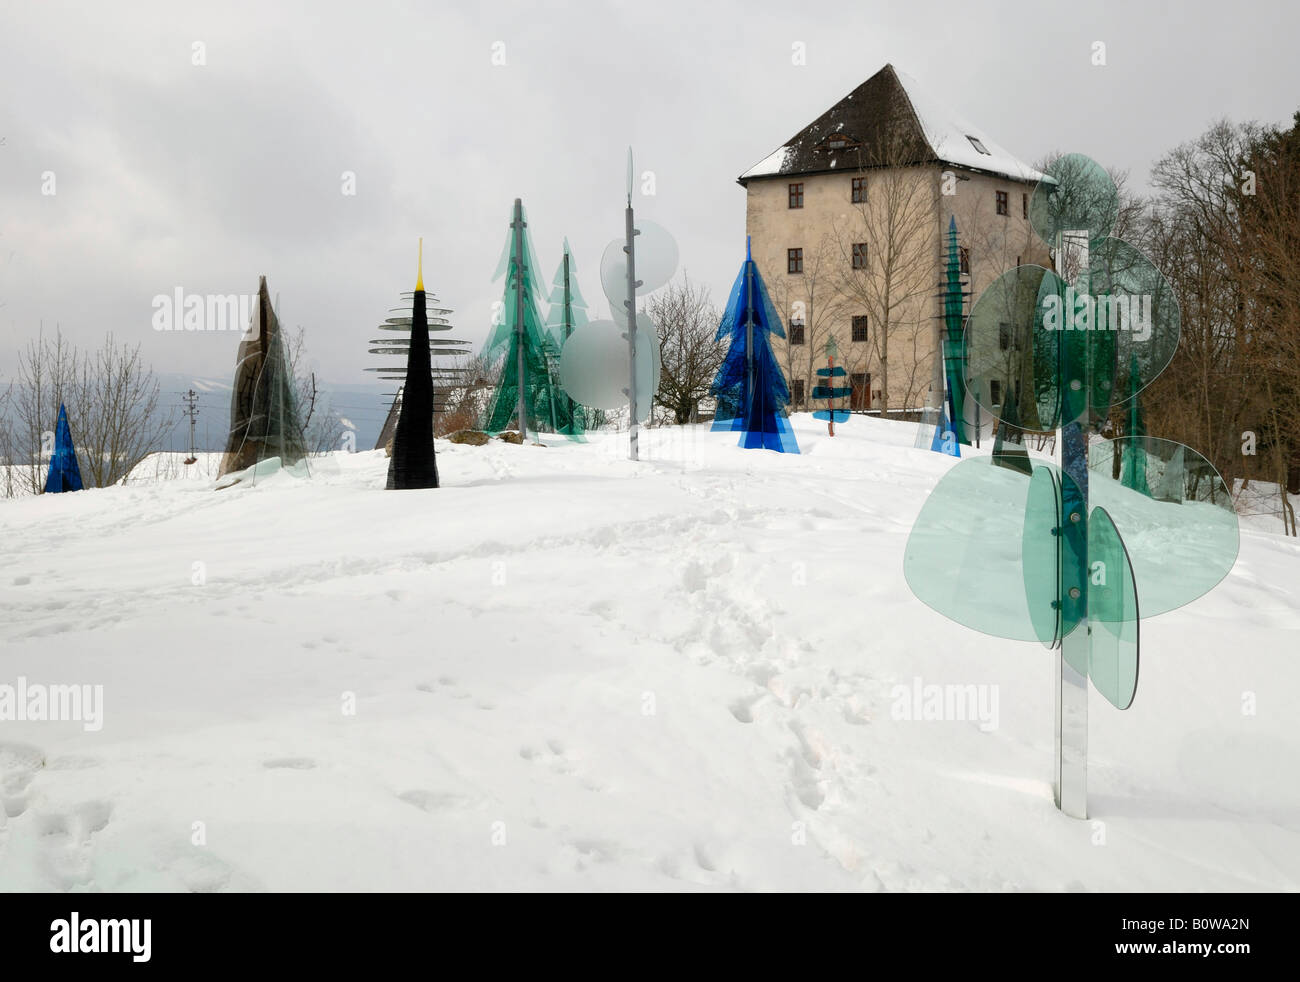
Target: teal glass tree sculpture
(954, 352)
(526, 390)
(568, 313)
(831, 388)
(1040, 556)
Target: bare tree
(111, 397)
(1268, 200)
(322, 428)
(887, 257)
(48, 373)
(463, 406)
(10, 479)
(690, 354)
(809, 303)
(1204, 398)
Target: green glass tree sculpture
(1041, 557)
(568, 313)
(527, 392)
(954, 351)
(1134, 459)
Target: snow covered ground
(566, 671)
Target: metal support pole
(830, 384)
(750, 394)
(568, 329)
(1071, 784)
(520, 337)
(632, 284)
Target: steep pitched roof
(889, 117)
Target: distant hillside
(364, 405)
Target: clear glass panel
(1112, 613)
(1178, 520)
(594, 365)
(1134, 322)
(1040, 552)
(1010, 353)
(1077, 195)
(656, 256)
(963, 557)
(656, 262)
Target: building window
(859, 190)
(995, 392)
(1004, 203)
(1024, 203)
(978, 145)
(1004, 336)
(859, 255)
(796, 333)
(963, 260)
(794, 260)
(860, 327)
(796, 195)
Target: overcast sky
(170, 174)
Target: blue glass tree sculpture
(750, 390)
(64, 473)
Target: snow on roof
(771, 164)
(949, 136)
(892, 99)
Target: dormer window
(978, 145)
(837, 143)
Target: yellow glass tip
(419, 276)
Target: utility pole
(191, 400)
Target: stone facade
(825, 298)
